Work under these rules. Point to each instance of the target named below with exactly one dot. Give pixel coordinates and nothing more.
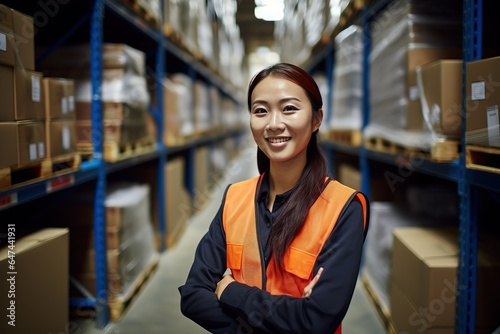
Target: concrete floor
(155, 309)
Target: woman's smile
(278, 142)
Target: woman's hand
(308, 289)
(226, 279)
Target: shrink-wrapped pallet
(407, 34)
(347, 80)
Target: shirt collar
(264, 192)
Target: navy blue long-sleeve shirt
(245, 309)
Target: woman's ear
(318, 119)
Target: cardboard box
(61, 137)
(24, 34)
(115, 131)
(8, 138)
(21, 29)
(21, 94)
(442, 91)
(59, 98)
(7, 47)
(110, 110)
(424, 283)
(482, 101)
(7, 104)
(42, 276)
(24, 142)
(6, 19)
(349, 175)
(178, 208)
(29, 94)
(417, 57)
(202, 181)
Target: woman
(283, 253)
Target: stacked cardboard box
(41, 274)
(347, 78)
(424, 285)
(482, 118)
(130, 243)
(178, 109)
(202, 119)
(22, 133)
(178, 208)
(407, 34)
(60, 125)
(440, 87)
(124, 92)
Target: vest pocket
(234, 254)
(299, 263)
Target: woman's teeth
(278, 140)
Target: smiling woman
(287, 263)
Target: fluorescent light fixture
(269, 10)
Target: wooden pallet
(483, 158)
(118, 305)
(171, 140)
(114, 152)
(440, 151)
(347, 137)
(382, 310)
(142, 12)
(65, 163)
(29, 173)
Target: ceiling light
(269, 10)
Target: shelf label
(493, 127)
(60, 182)
(8, 200)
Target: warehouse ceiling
(254, 32)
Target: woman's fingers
(308, 289)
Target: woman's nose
(275, 122)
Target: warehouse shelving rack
(469, 181)
(157, 46)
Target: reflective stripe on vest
(242, 246)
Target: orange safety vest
(242, 245)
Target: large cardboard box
(59, 98)
(8, 138)
(35, 295)
(202, 181)
(441, 90)
(178, 201)
(482, 101)
(22, 143)
(17, 44)
(24, 34)
(61, 137)
(21, 94)
(417, 57)
(178, 109)
(7, 98)
(7, 47)
(424, 281)
(29, 94)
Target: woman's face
(281, 120)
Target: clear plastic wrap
(347, 80)
(407, 34)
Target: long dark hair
(309, 188)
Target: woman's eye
(259, 111)
(289, 108)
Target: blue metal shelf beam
(468, 229)
(96, 31)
